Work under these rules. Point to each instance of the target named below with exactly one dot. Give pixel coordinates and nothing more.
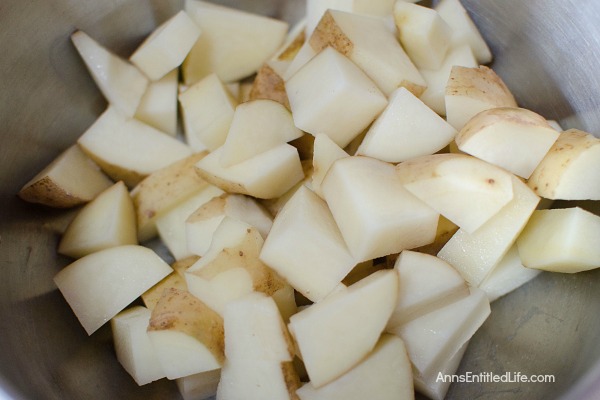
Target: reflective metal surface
(546, 50)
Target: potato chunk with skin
(129, 150)
(561, 240)
(475, 255)
(187, 335)
(69, 180)
(571, 169)
(164, 189)
(472, 90)
(515, 139)
(368, 43)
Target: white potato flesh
(254, 330)
(376, 215)
(100, 285)
(331, 95)
(437, 336)
(182, 355)
(133, 346)
(129, 150)
(470, 91)
(515, 139)
(424, 35)
(201, 386)
(570, 170)
(207, 108)
(426, 283)
(475, 255)
(164, 189)
(371, 45)
(305, 246)
(325, 153)
(335, 334)
(464, 189)
(406, 129)
(107, 221)
(304, 55)
(265, 176)
(561, 240)
(257, 126)
(385, 374)
(171, 224)
(233, 44)
(202, 223)
(257, 380)
(70, 179)
(434, 95)
(231, 268)
(464, 30)
(158, 106)
(121, 83)
(167, 46)
(186, 334)
(507, 276)
(433, 387)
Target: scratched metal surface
(545, 50)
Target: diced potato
(133, 347)
(188, 336)
(107, 221)
(257, 126)
(406, 129)
(164, 189)
(129, 150)
(359, 312)
(207, 108)
(515, 139)
(158, 106)
(369, 43)
(265, 176)
(424, 35)
(475, 255)
(472, 90)
(376, 215)
(233, 44)
(464, 31)
(561, 240)
(570, 170)
(386, 373)
(331, 95)
(464, 189)
(121, 83)
(69, 180)
(306, 248)
(166, 47)
(100, 285)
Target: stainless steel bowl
(546, 50)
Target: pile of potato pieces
(341, 192)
